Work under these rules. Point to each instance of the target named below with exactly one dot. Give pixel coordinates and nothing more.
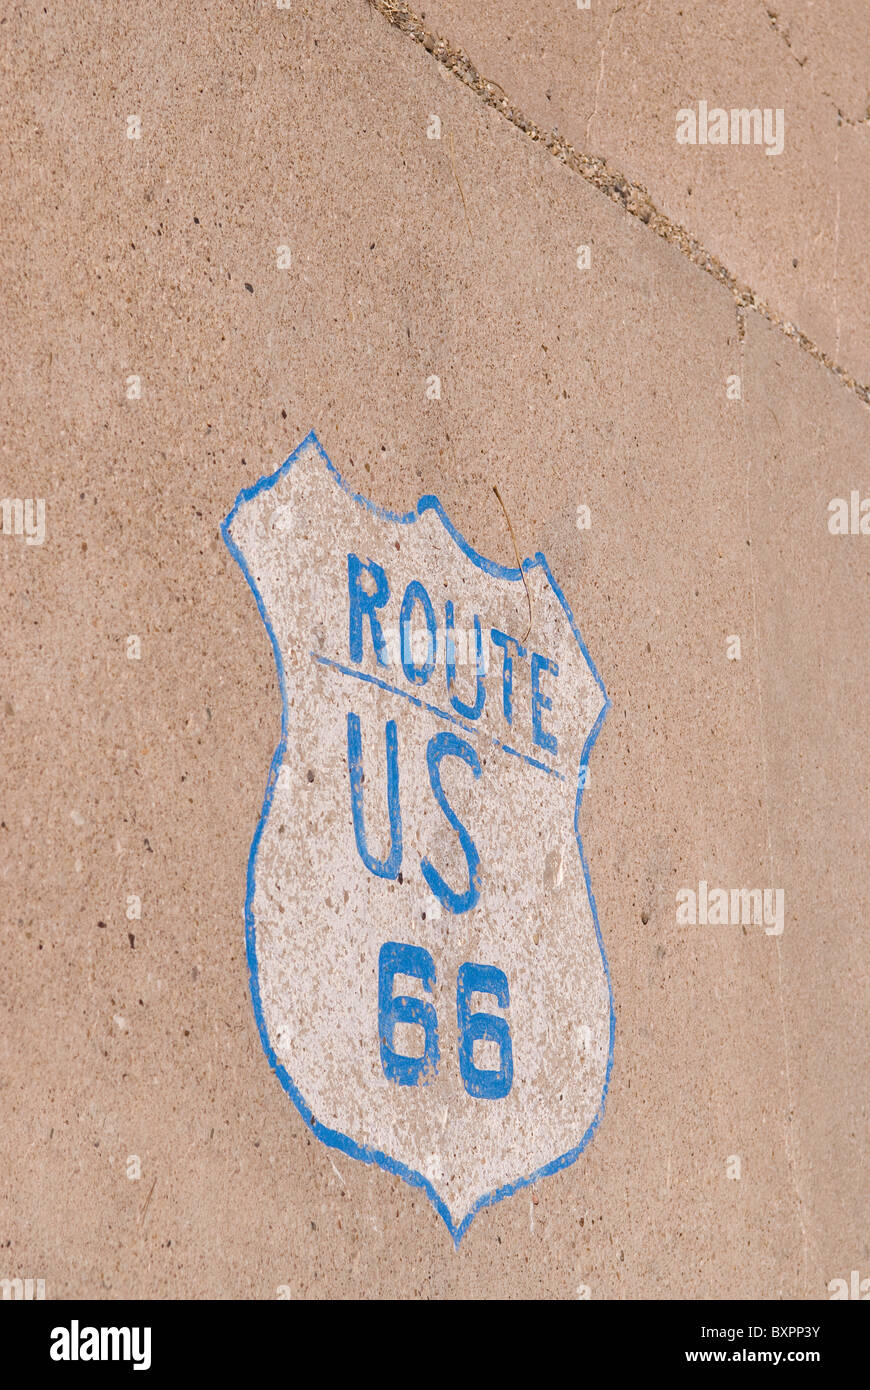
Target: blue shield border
(332, 1138)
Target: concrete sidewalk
(319, 227)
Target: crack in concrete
(604, 47)
(633, 197)
(783, 34)
(851, 120)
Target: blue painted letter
(389, 867)
(415, 593)
(501, 639)
(483, 979)
(540, 701)
(363, 604)
(443, 746)
(470, 711)
(397, 959)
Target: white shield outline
(333, 1138)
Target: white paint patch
(475, 938)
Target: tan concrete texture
(611, 78)
(147, 1149)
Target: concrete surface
(132, 1037)
(611, 79)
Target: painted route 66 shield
(426, 965)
